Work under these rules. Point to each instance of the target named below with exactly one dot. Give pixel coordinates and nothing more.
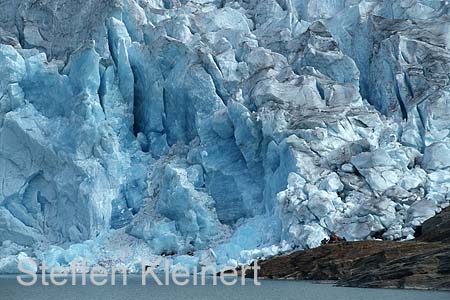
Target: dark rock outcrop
(437, 228)
(420, 264)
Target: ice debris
(218, 131)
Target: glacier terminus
(218, 131)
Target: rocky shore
(423, 263)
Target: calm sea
(269, 290)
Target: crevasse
(218, 131)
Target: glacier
(218, 131)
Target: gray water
(276, 290)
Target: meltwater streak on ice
(269, 290)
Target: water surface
(269, 290)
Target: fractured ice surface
(226, 130)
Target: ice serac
(218, 131)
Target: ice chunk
(218, 132)
(10, 264)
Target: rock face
(374, 264)
(437, 228)
(227, 129)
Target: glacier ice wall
(221, 129)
